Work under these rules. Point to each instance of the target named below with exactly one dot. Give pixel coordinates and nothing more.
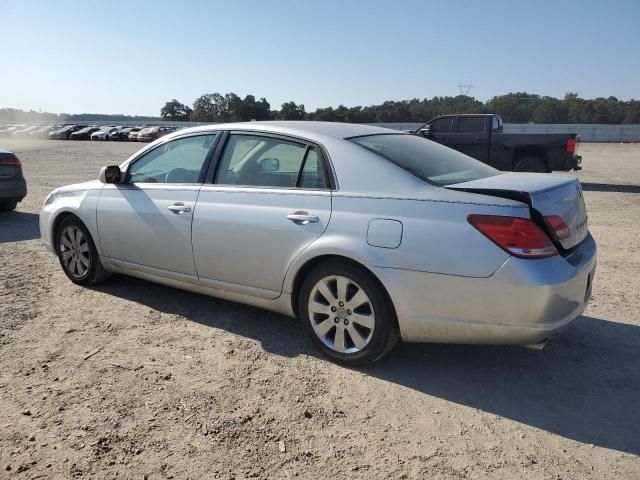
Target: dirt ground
(186, 386)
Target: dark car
(481, 137)
(13, 186)
(152, 133)
(84, 133)
(64, 132)
(123, 133)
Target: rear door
(471, 137)
(270, 199)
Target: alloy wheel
(341, 314)
(75, 252)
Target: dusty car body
(366, 234)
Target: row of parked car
(143, 133)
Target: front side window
(270, 162)
(442, 125)
(427, 160)
(178, 161)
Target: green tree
(291, 111)
(174, 110)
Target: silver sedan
(367, 235)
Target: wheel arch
(55, 225)
(313, 262)
(524, 152)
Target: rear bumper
(14, 188)
(573, 162)
(524, 302)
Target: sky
(132, 57)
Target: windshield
(427, 160)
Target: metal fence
(587, 132)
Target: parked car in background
(64, 132)
(13, 186)
(23, 132)
(105, 133)
(367, 234)
(133, 134)
(84, 133)
(123, 134)
(481, 137)
(153, 133)
(10, 129)
(41, 132)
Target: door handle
(179, 207)
(302, 218)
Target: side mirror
(269, 164)
(425, 131)
(110, 174)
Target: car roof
(306, 129)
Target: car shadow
(583, 386)
(610, 187)
(18, 226)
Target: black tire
(8, 206)
(530, 164)
(385, 333)
(95, 273)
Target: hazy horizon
(319, 54)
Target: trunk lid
(545, 194)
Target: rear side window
(442, 125)
(471, 124)
(260, 161)
(427, 160)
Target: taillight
(10, 160)
(571, 145)
(560, 229)
(517, 236)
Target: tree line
(520, 107)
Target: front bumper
(524, 302)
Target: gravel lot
(186, 386)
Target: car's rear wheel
(8, 206)
(77, 253)
(530, 164)
(347, 314)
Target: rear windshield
(427, 160)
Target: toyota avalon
(367, 235)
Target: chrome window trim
(332, 179)
(164, 140)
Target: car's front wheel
(77, 253)
(347, 314)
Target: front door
(270, 200)
(146, 221)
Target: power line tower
(465, 88)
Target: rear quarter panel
(436, 236)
